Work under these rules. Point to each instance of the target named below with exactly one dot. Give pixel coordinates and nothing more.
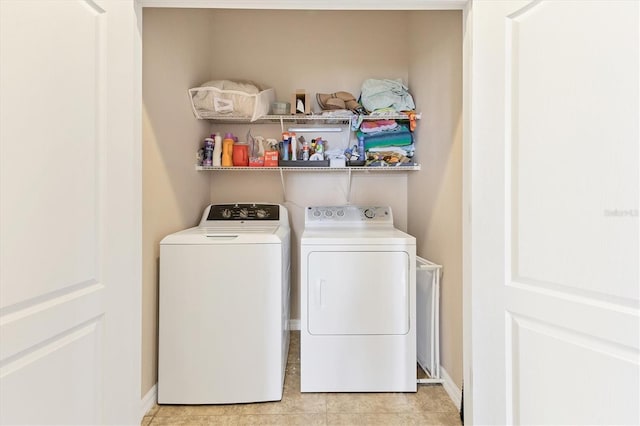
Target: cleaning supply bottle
(227, 150)
(305, 150)
(361, 148)
(285, 149)
(294, 146)
(208, 152)
(216, 160)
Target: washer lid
(232, 234)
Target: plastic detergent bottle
(216, 160)
(227, 150)
(305, 150)
(208, 152)
(241, 154)
(361, 148)
(294, 146)
(285, 149)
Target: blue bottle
(361, 148)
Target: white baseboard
(294, 324)
(149, 400)
(451, 388)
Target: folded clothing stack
(378, 126)
(397, 136)
(386, 139)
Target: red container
(241, 154)
(271, 159)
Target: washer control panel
(336, 215)
(242, 212)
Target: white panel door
(554, 195)
(69, 215)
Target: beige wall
(288, 50)
(435, 202)
(320, 51)
(175, 46)
(319, 61)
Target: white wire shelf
(399, 116)
(299, 118)
(313, 169)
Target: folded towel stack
(398, 136)
(386, 141)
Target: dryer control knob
(369, 213)
(316, 213)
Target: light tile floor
(429, 406)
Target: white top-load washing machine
(224, 307)
(358, 289)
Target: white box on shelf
(337, 162)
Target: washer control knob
(226, 213)
(316, 213)
(369, 213)
(340, 213)
(328, 213)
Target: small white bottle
(216, 161)
(294, 146)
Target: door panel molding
(45, 380)
(586, 296)
(547, 135)
(55, 179)
(48, 346)
(541, 378)
(27, 327)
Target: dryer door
(363, 292)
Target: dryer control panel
(348, 215)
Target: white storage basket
(428, 318)
(212, 102)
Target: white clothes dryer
(224, 307)
(358, 292)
